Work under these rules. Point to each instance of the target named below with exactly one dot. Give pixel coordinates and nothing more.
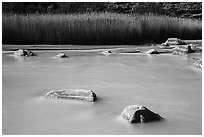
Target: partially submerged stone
(182, 49)
(198, 64)
(81, 94)
(166, 46)
(25, 53)
(152, 51)
(107, 52)
(139, 114)
(173, 41)
(121, 50)
(61, 55)
(128, 50)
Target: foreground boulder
(61, 55)
(198, 64)
(183, 49)
(139, 114)
(152, 51)
(25, 53)
(81, 94)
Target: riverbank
(10, 47)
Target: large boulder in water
(152, 51)
(81, 94)
(139, 114)
(182, 49)
(198, 64)
(22, 52)
(61, 55)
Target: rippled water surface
(165, 84)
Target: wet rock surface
(152, 51)
(80, 94)
(107, 52)
(25, 53)
(173, 41)
(61, 55)
(128, 50)
(139, 114)
(121, 50)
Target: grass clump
(96, 28)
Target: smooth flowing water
(165, 84)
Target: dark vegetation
(99, 23)
(175, 9)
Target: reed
(96, 28)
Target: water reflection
(20, 59)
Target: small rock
(173, 41)
(61, 55)
(81, 94)
(139, 114)
(128, 50)
(22, 52)
(106, 52)
(198, 64)
(167, 46)
(152, 51)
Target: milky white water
(165, 84)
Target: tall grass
(96, 28)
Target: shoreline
(11, 47)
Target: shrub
(96, 28)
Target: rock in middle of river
(139, 114)
(81, 94)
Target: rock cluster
(80, 94)
(25, 53)
(139, 114)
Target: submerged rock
(152, 51)
(167, 46)
(61, 55)
(118, 51)
(198, 64)
(81, 94)
(139, 114)
(128, 50)
(22, 52)
(183, 49)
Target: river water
(165, 84)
